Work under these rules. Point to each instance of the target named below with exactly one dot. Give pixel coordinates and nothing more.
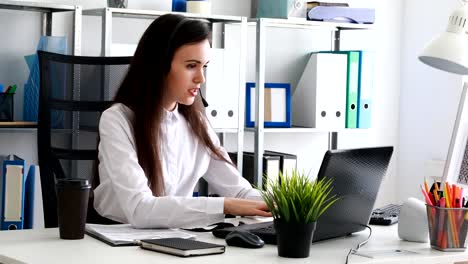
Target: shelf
(226, 130)
(136, 13)
(35, 6)
(305, 130)
(17, 126)
(302, 23)
(289, 130)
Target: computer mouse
(244, 239)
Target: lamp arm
(456, 127)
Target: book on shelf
(313, 4)
(270, 169)
(288, 162)
(341, 14)
(126, 235)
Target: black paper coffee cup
(72, 207)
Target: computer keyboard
(270, 229)
(386, 215)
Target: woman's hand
(243, 207)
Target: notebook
(182, 247)
(126, 235)
(357, 175)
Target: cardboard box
(296, 9)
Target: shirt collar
(172, 115)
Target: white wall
(385, 39)
(386, 94)
(429, 98)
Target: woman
(156, 142)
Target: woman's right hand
(244, 207)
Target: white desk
(44, 246)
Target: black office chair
(74, 91)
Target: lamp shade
(449, 50)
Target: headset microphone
(205, 103)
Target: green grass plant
(297, 199)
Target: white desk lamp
(449, 52)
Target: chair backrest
(74, 91)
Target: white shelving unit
(107, 14)
(24, 133)
(261, 44)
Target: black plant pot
(294, 239)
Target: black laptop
(357, 175)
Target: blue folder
(13, 194)
(29, 198)
(366, 82)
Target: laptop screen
(357, 175)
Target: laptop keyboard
(266, 231)
(269, 229)
(386, 215)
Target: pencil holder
(447, 227)
(6, 106)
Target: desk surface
(44, 246)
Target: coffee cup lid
(73, 182)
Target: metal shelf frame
(259, 130)
(108, 13)
(47, 9)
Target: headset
(177, 27)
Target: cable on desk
(355, 250)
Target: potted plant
(296, 202)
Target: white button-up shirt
(124, 195)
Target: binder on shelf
(33, 207)
(319, 100)
(13, 194)
(366, 83)
(270, 169)
(221, 89)
(352, 86)
(277, 105)
(288, 162)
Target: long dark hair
(143, 90)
